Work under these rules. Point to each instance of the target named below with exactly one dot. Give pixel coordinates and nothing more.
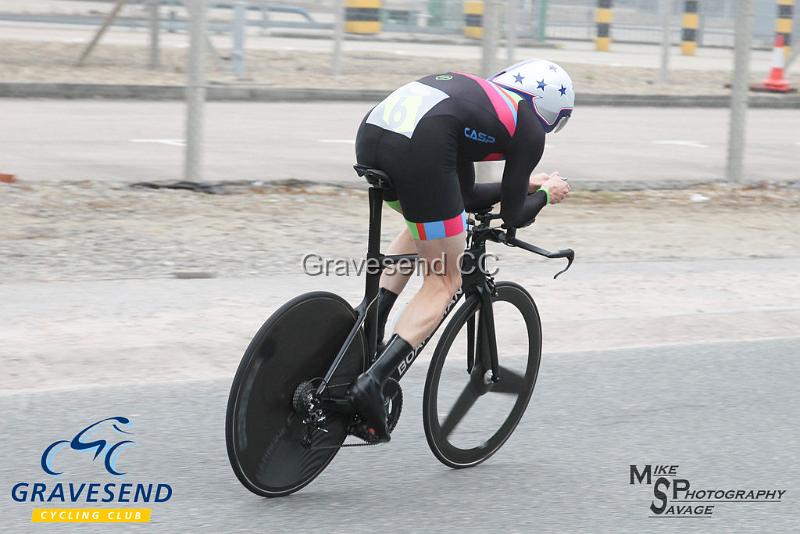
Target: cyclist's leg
(442, 280)
(395, 280)
(440, 251)
(427, 187)
(430, 192)
(373, 145)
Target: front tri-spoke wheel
(468, 416)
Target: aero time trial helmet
(545, 85)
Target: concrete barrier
(82, 91)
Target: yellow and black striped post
(603, 17)
(691, 21)
(473, 19)
(783, 24)
(362, 16)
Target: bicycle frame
(477, 285)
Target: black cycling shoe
(367, 398)
(366, 394)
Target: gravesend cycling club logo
(677, 497)
(78, 443)
(102, 445)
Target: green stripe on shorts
(395, 205)
(412, 227)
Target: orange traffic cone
(776, 82)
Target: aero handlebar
(509, 238)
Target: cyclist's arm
(476, 196)
(524, 152)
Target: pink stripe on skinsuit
(500, 105)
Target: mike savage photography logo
(674, 496)
(101, 446)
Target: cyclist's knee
(453, 283)
(446, 285)
(441, 259)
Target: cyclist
(426, 136)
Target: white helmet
(545, 85)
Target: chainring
(393, 396)
(394, 402)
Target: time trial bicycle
(288, 413)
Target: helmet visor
(562, 120)
(560, 124)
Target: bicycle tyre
(263, 433)
(441, 447)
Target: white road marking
(693, 144)
(342, 141)
(170, 142)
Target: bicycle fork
(486, 342)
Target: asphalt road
(726, 414)
(129, 141)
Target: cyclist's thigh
(442, 257)
(426, 180)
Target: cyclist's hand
(558, 187)
(536, 181)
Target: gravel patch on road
(89, 231)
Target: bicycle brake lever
(570, 255)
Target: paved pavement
(726, 414)
(129, 141)
(622, 55)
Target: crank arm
(337, 405)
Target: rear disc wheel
(263, 430)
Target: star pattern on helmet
(563, 91)
(541, 83)
(554, 68)
(518, 78)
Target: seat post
(373, 269)
(375, 210)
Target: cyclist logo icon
(82, 442)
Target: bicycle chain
(343, 445)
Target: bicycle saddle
(375, 177)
